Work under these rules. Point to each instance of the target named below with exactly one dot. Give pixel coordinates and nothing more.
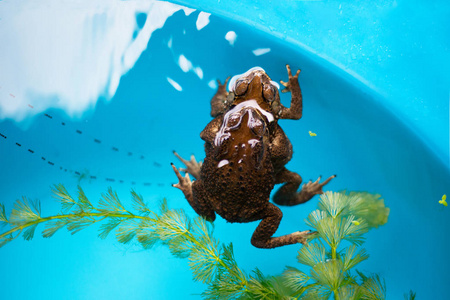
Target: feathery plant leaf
(110, 203)
(127, 231)
(312, 254)
(350, 292)
(106, 228)
(75, 224)
(53, 226)
(83, 201)
(24, 212)
(295, 278)
(3, 218)
(333, 203)
(329, 274)
(373, 288)
(61, 194)
(370, 207)
(147, 235)
(261, 287)
(350, 260)
(204, 263)
(317, 292)
(410, 296)
(139, 204)
(29, 232)
(173, 224)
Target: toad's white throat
(221, 134)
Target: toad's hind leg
(262, 237)
(195, 195)
(288, 195)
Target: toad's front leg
(192, 166)
(262, 237)
(296, 108)
(220, 100)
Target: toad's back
(238, 173)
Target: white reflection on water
(66, 54)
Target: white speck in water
(261, 51)
(174, 84)
(212, 84)
(184, 63)
(202, 20)
(169, 43)
(231, 37)
(199, 72)
(222, 163)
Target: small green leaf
(295, 278)
(109, 226)
(139, 204)
(350, 259)
(25, 212)
(3, 218)
(373, 288)
(204, 262)
(147, 235)
(110, 203)
(53, 226)
(312, 254)
(127, 231)
(29, 232)
(61, 194)
(329, 274)
(83, 201)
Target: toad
(246, 153)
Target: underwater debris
(213, 263)
(443, 201)
(312, 133)
(84, 174)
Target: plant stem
(333, 252)
(83, 214)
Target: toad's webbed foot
(220, 101)
(184, 183)
(292, 81)
(294, 112)
(192, 166)
(288, 195)
(195, 194)
(262, 237)
(310, 188)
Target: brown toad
(246, 152)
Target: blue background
(381, 124)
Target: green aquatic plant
(340, 217)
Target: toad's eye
(234, 120)
(269, 92)
(241, 87)
(258, 127)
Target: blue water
(357, 138)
